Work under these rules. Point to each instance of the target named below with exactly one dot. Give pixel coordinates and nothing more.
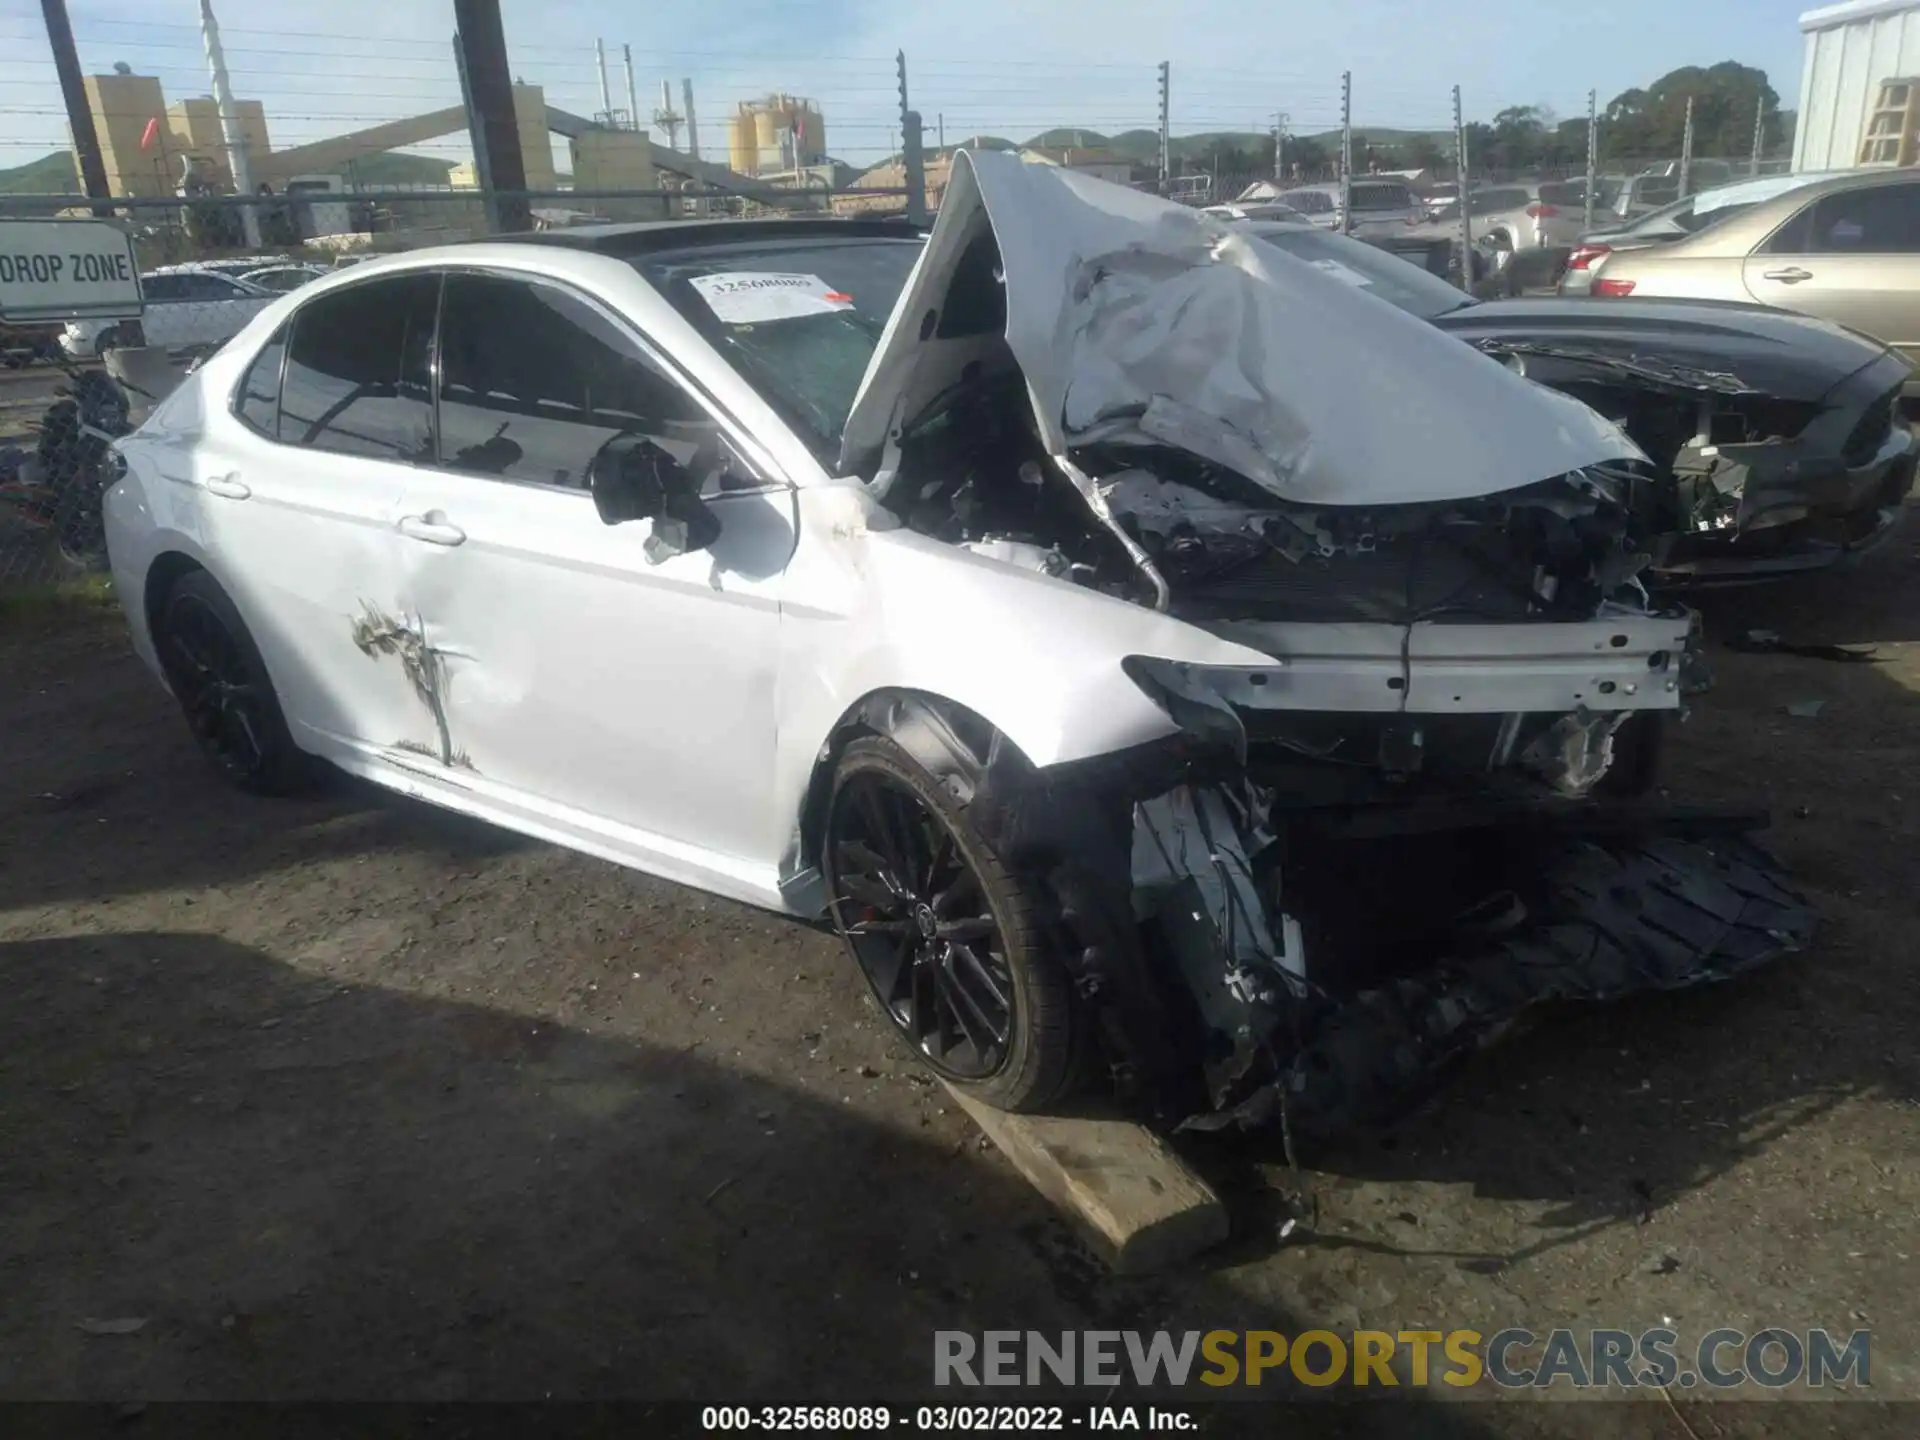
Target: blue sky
(1007, 67)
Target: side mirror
(629, 478)
(632, 478)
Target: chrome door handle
(230, 486)
(1792, 275)
(432, 532)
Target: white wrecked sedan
(1165, 662)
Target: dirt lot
(346, 1098)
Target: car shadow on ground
(95, 742)
(1603, 1115)
(227, 1179)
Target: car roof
(650, 236)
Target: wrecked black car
(1775, 441)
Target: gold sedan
(1845, 249)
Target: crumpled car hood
(1136, 320)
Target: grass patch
(86, 597)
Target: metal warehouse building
(1859, 85)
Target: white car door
(588, 685)
(300, 495)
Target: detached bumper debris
(1622, 919)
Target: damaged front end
(1776, 444)
(1421, 813)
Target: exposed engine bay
(1325, 907)
(1428, 814)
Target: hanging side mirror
(632, 478)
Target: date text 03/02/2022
(939, 1419)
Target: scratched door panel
(302, 487)
(585, 677)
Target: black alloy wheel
(922, 927)
(216, 673)
(216, 687)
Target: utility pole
(484, 44)
(1166, 117)
(86, 142)
(912, 153)
(940, 124)
(693, 126)
(1280, 146)
(606, 95)
(482, 169)
(1759, 131)
(1466, 210)
(236, 143)
(1686, 154)
(668, 119)
(1346, 152)
(633, 95)
(1593, 154)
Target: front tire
(216, 673)
(948, 937)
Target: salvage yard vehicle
(1846, 249)
(1536, 221)
(184, 309)
(1048, 602)
(1674, 222)
(1772, 436)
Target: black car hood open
(1708, 345)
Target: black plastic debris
(1622, 919)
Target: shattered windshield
(799, 320)
(1367, 267)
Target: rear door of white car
(301, 495)
(586, 684)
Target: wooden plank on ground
(1121, 1184)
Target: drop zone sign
(67, 270)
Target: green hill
(49, 175)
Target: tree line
(1635, 127)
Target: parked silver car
(1538, 221)
(1377, 203)
(1675, 222)
(1659, 185)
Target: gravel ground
(347, 1098)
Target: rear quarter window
(256, 404)
(1382, 197)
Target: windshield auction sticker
(749, 297)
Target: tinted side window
(258, 404)
(206, 287)
(533, 382)
(1382, 197)
(160, 287)
(1877, 220)
(358, 380)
